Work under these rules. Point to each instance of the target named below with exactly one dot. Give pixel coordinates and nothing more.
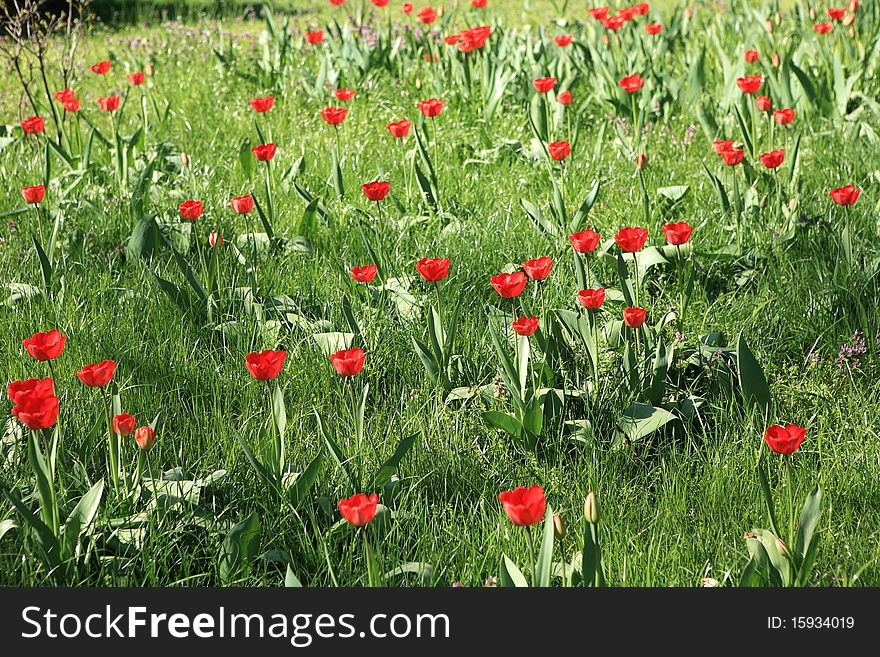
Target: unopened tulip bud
(605, 40)
(781, 547)
(418, 83)
(591, 509)
(768, 25)
(144, 437)
(641, 161)
(777, 18)
(792, 204)
(149, 70)
(849, 19)
(774, 59)
(184, 159)
(558, 527)
(853, 5)
(688, 12)
(852, 30)
(812, 14)
(215, 239)
(709, 582)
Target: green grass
(674, 509)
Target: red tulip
(732, 156)
(215, 239)
(344, 94)
(773, 159)
(722, 145)
(191, 210)
(845, 195)
(653, 28)
(242, 204)
(631, 240)
(266, 364)
(599, 12)
(509, 286)
(359, 509)
(543, 85)
(559, 150)
(641, 9)
(364, 273)
(478, 4)
(592, 299)
(585, 241)
(348, 362)
(783, 116)
(18, 391)
(144, 437)
(123, 424)
(65, 96)
(264, 152)
(626, 13)
(263, 104)
(433, 269)
(539, 268)
(336, 3)
(452, 39)
(407, 7)
(526, 326)
(45, 346)
(136, 79)
(334, 115)
(33, 194)
(634, 317)
(71, 105)
(399, 129)
(431, 107)
(613, 23)
(524, 506)
(98, 375)
(631, 83)
(101, 68)
(763, 103)
(750, 84)
(315, 38)
(37, 407)
(33, 125)
(678, 233)
(376, 191)
(380, 3)
(823, 28)
(563, 40)
(109, 104)
(427, 15)
(564, 97)
(785, 440)
(836, 13)
(752, 56)
(641, 160)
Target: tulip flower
(265, 365)
(262, 105)
(592, 299)
(433, 269)
(215, 239)
(634, 317)
(836, 13)
(599, 13)
(585, 241)
(763, 103)
(98, 375)
(543, 85)
(377, 190)
(123, 424)
(242, 204)
(750, 83)
(71, 105)
(539, 268)
(45, 346)
(722, 145)
(315, 38)
(784, 439)
(407, 7)
(823, 28)
(845, 196)
(136, 79)
(427, 15)
(359, 510)
(509, 286)
(64, 96)
(524, 506)
(631, 83)
(399, 129)
(110, 103)
(564, 97)
(631, 240)
(33, 125)
(783, 116)
(732, 156)
(478, 4)
(334, 115)
(35, 403)
(33, 194)
(653, 28)
(380, 3)
(364, 273)
(191, 210)
(677, 233)
(344, 94)
(101, 68)
(773, 159)
(144, 437)
(559, 150)
(525, 326)
(264, 152)
(348, 362)
(751, 56)
(18, 391)
(563, 40)
(431, 108)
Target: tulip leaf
(291, 580)
(300, 488)
(509, 575)
(768, 498)
(753, 384)
(641, 420)
(579, 219)
(655, 392)
(806, 542)
(335, 450)
(389, 467)
(45, 265)
(80, 518)
(538, 217)
(337, 174)
(504, 421)
(240, 547)
(544, 564)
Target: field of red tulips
(495, 293)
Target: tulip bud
(591, 508)
(812, 14)
(781, 547)
(849, 19)
(215, 239)
(144, 437)
(852, 31)
(777, 18)
(853, 5)
(774, 59)
(184, 159)
(709, 582)
(641, 161)
(148, 69)
(440, 11)
(605, 40)
(418, 83)
(688, 12)
(792, 204)
(768, 25)
(558, 527)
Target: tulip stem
(112, 443)
(371, 561)
(792, 528)
(531, 545)
(680, 263)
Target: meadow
(760, 313)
